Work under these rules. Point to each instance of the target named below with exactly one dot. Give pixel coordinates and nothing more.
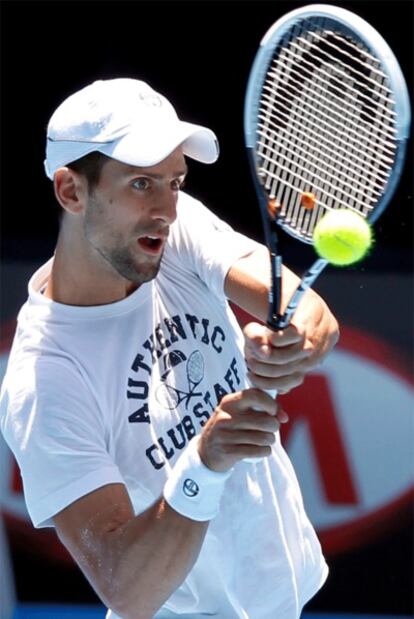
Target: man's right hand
(242, 426)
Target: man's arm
(134, 563)
(280, 360)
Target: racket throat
(275, 319)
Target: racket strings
(286, 174)
(329, 107)
(325, 126)
(333, 124)
(351, 62)
(382, 113)
(359, 96)
(312, 139)
(313, 52)
(306, 220)
(320, 113)
(315, 125)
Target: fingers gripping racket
(326, 121)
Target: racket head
(326, 115)
(167, 396)
(195, 367)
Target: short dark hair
(90, 166)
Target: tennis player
(126, 400)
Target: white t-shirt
(113, 393)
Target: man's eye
(141, 184)
(177, 184)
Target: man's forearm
(248, 282)
(136, 567)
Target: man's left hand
(281, 359)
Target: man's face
(129, 212)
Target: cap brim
(144, 149)
(140, 148)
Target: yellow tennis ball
(342, 237)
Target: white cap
(127, 120)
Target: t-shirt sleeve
(57, 435)
(206, 244)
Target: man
(126, 400)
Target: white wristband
(193, 489)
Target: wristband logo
(190, 488)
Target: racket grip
(273, 394)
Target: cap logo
(150, 99)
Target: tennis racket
(326, 121)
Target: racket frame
(380, 48)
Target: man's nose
(166, 206)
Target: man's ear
(70, 190)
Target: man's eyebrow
(155, 175)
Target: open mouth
(151, 244)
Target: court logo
(190, 488)
(351, 443)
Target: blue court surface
(34, 611)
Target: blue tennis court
(35, 611)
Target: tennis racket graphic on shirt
(326, 121)
(170, 397)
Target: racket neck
(275, 318)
